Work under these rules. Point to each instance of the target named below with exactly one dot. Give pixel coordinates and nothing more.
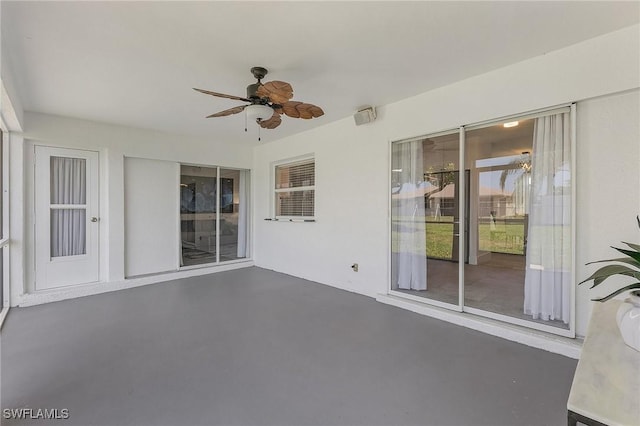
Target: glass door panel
(502, 161)
(68, 204)
(443, 221)
(233, 214)
(424, 211)
(198, 214)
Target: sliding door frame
(462, 213)
(463, 237)
(248, 233)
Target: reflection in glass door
(443, 226)
(213, 227)
(425, 225)
(198, 214)
(233, 214)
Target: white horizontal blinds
(68, 206)
(295, 189)
(296, 175)
(297, 203)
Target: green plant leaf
(610, 270)
(632, 254)
(617, 292)
(631, 268)
(636, 247)
(619, 259)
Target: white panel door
(66, 216)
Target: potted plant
(628, 316)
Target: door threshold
(553, 343)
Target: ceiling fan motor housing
(251, 91)
(258, 73)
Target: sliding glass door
(425, 218)
(512, 213)
(500, 160)
(213, 215)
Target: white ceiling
(134, 64)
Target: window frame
(304, 159)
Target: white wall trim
(3, 315)
(9, 114)
(560, 345)
(73, 292)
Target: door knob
(94, 219)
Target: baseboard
(557, 344)
(72, 292)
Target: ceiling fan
(267, 102)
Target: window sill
(286, 219)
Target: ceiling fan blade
(229, 111)
(271, 123)
(301, 110)
(278, 92)
(221, 95)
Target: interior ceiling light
(510, 124)
(258, 112)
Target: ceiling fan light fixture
(259, 112)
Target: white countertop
(606, 386)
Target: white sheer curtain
(68, 225)
(242, 215)
(411, 260)
(548, 261)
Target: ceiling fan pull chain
(259, 133)
(245, 121)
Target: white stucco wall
(352, 163)
(608, 185)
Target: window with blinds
(295, 189)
